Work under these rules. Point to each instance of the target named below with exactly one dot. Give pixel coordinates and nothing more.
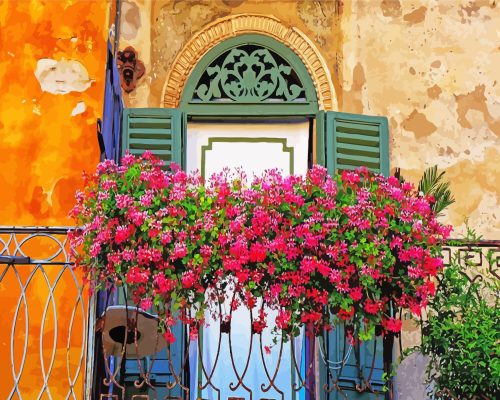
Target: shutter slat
(358, 160)
(140, 122)
(355, 138)
(342, 165)
(157, 130)
(146, 132)
(142, 143)
(361, 128)
(348, 148)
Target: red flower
(372, 307)
(356, 293)
(257, 252)
(393, 325)
(345, 315)
(169, 336)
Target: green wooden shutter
(159, 130)
(352, 141)
(347, 141)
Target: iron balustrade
(43, 298)
(43, 305)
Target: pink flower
(123, 201)
(188, 279)
(283, 319)
(95, 249)
(193, 333)
(346, 314)
(128, 159)
(372, 307)
(146, 303)
(180, 251)
(147, 198)
(350, 177)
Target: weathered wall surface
(430, 66)
(433, 68)
(159, 30)
(52, 60)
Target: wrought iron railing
(43, 316)
(297, 368)
(47, 337)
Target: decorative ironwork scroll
(44, 316)
(249, 74)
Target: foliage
(356, 245)
(431, 184)
(461, 335)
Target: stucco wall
(47, 138)
(431, 67)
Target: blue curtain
(109, 137)
(113, 109)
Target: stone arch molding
(235, 25)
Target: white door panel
(255, 147)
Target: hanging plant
(353, 246)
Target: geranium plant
(317, 249)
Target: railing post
(89, 365)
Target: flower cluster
(318, 249)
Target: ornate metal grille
(249, 74)
(44, 316)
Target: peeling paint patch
(391, 8)
(474, 100)
(494, 125)
(62, 77)
(79, 108)
(417, 16)
(353, 99)
(473, 7)
(317, 16)
(419, 125)
(434, 92)
(131, 20)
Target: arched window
(251, 101)
(250, 75)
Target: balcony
(59, 343)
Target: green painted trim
(260, 109)
(320, 139)
(213, 140)
(309, 107)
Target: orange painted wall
(43, 151)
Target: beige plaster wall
(432, 67)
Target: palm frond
(433, 184)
